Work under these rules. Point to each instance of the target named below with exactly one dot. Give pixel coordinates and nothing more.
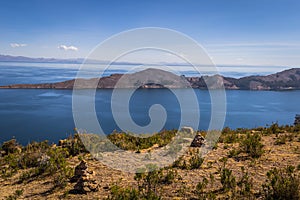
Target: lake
(39, 114)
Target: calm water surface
(39, 114)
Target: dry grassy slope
(274, 156)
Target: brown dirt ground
(274, 156)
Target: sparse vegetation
(229, 136)
(16, 195)
(148, 184)
(127, 141)
(189, 177)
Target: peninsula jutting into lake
(285, 80)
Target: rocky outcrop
(156, 78)
(85, 179)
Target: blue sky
(248, 32)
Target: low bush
(16, 195)
(282, 184)
(245, 185)
(128, 141)
(227, 179)
(193, 162)
(150, 179)
(10, 147)
(252, 145)
(229, 136)
(283, 138)
(119, 193)
(73, 145)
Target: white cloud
(14, 45)
(67, 48)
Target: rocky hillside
(155, 78)
(261, 163)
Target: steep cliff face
(156, 78)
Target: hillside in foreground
(261, 163)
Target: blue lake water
(39, 114)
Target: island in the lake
(156, 78)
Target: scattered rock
(198, 141)
(85, 179)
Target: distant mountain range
(156, 78)
(9, 58)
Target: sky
(232, 32)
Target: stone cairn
(297, 120)
(198, 141)
(85, 179)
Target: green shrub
(296, 128)
(12, 163)
(128, 141)
(169, 176)
(274, 128)
(180, 163)
(27, 175)
(283, 138)
(62, 178)
(282, 184)
(74, 145)
(245, 185)
(233, 153)
(150, 179)
(229, 136)
(227, 179)
(200, 187)
(118, 193)
(11, 146)
(251, 145)
(16, 195)
(196, 161)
